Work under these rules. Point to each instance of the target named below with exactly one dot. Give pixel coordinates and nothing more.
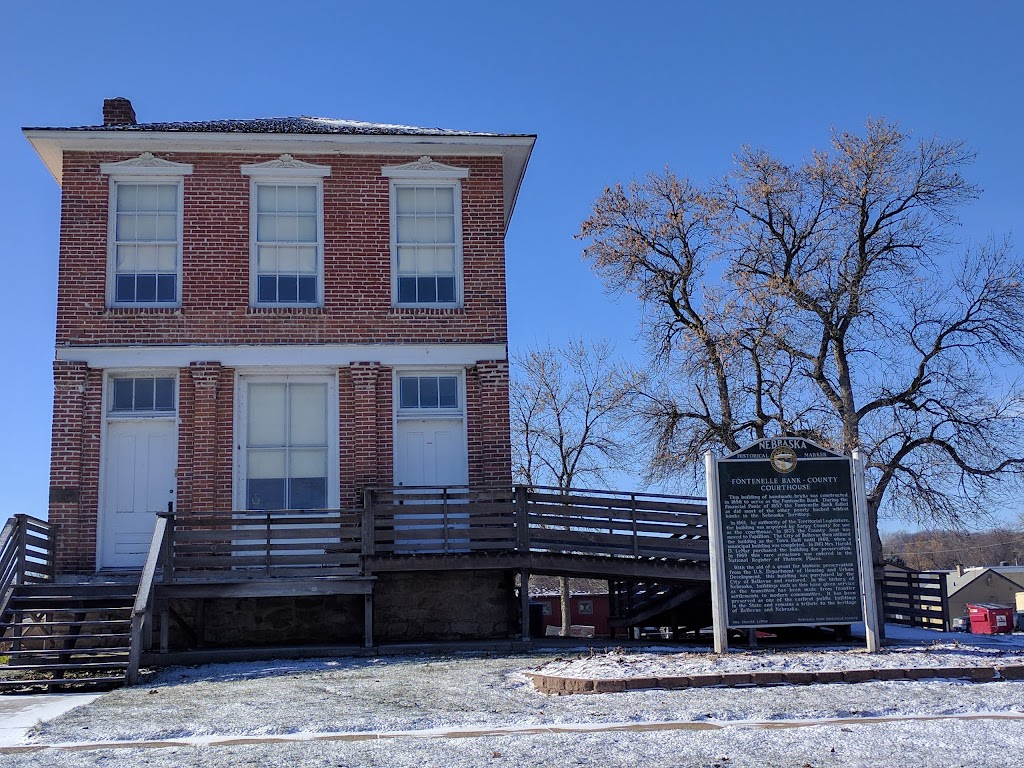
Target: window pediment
(146, 164)
(287, 167)
(424, 168)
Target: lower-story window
(286, 445)
(142, 395)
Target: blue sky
(613, 91)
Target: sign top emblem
(783, 460)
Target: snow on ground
(331, 706)
(905, 648)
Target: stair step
(96, 636)
(90, 682)
(83, 617)
(119, 599)
(84, 666)
(126, 622)
(45, 652)
(66, 607)
(47, 588)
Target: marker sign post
(784, 527)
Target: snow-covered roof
(301, 124)
(288, 135)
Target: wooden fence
(915, 599)
(599, 523)
(27, 552)
(266, 544)
(447, 521)
(410, 521)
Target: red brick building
(272, 314)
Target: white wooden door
(432, 453)
(140, 456)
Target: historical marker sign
(788, 535)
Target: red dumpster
(990, 618)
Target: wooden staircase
(680, 606)
(67, 636)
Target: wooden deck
(418, 529)
(249, 554)
(523, 530)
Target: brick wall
(215, 286)
(215, 299)
(488, 436)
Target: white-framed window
(141, 395)
(145, 231)
(286, 233)
(436, 393)
(288, 442)
(426, 233)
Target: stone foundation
(241, 622)
(443, 605)
(408, 608)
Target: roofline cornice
(51, 144)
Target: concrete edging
(570, 685)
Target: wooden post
(51, 553)
(368, 619)
(718, 597)
(636, 540)
(369, 523)
(947, 620)
(165, 626)
(522, 519)
(135, 648)
(267, 562)
(22, 566)
(867, 568)
(524, 603)
(167, 555)
(444, 519)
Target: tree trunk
(563, 583)
(878, 562)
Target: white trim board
(290, 355)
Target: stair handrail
(15, 555)
(8, 561)
(142, 611)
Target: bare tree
(829, 300)
(568, 409)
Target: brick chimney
(118, 111)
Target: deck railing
(27, 552)
(265, 544)
(142, 611)
(28, 549)
(434, 520)
(457, 520)
(450, 520)
(635, 525)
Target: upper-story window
(286, 233)
(426, 233)
(145, 232)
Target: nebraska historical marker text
(788, 535)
